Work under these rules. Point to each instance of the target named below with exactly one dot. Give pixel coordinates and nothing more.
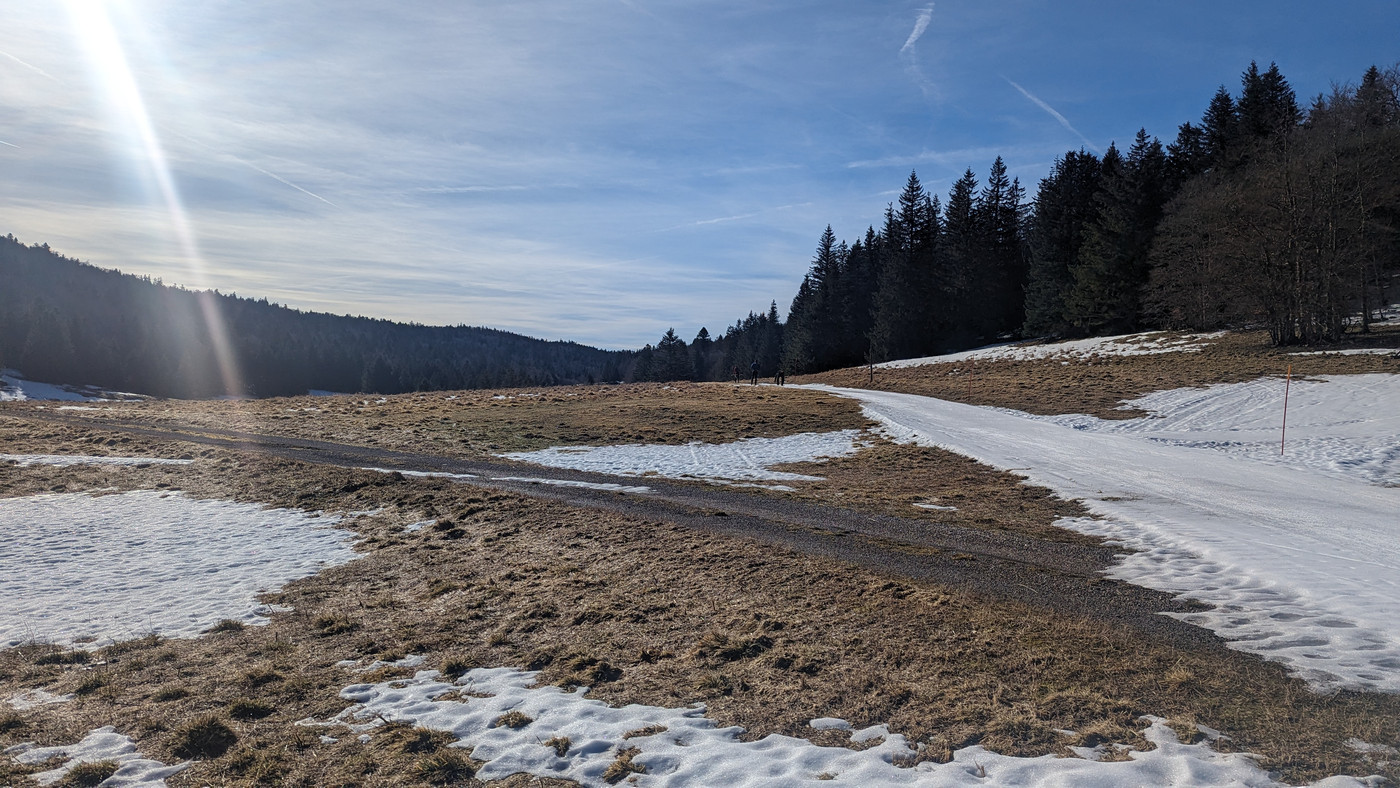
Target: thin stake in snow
(1287, 381)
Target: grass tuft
(90, 774)
(170, 693)
(76, 657)
(226, 625)
(249, 710)
(623, 767)
(513, 720)
(560, 744)
(206, 737)
(445, 768)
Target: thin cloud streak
(29, 66)
(1057, 116)
(282, 180)
(920, 25)
(11, 144)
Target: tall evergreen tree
(1112, 264)
(1065, 206)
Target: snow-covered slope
(1301, 556)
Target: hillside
(65, 321)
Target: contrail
(29, 66)
(282, 180)
(909, 54)
(253, 166)
(11, 144)
(920, 25)
(1057, 116)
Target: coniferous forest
(1262, 214)
(64, 321)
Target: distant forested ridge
(65, 321)
(1263, 214)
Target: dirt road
(1060, 577)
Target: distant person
(736, 373)
(753, 373)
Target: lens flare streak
(99, 38)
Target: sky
(589, 170)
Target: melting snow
(114, 567)
(746, 460)
(687, 748)
(605, 486)
(1300, 556)
(103, 744)
(1150, 343)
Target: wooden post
(1288, 381)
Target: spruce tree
(1065, 206)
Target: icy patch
(423, 474)
(418, 526)
(114, 567)
(936, 507)
(66, 460)
(1302, 565)
(688, 748)
(103, 744)
(605, 486)
(745, 460)
(29, 699)
(1356, 351)
(1146, 344)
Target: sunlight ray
(99, 38)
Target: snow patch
(84, 568)
(103, 744)
(605, 486)
(689, 749)
(746, 460)
(29, 699)
(1146, 344)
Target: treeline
(1261, 214)
(69, 322)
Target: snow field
(1345, 426)
(747, 460)
(103, 744)
(1300, 556)
(1146, 344)
(688, 749)
(100, 568)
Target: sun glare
(99, 38)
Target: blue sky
(594, 171)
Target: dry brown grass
(645, 612)
(1098, 385)
(475, 423)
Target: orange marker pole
(1288, 381)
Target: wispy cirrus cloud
(1051, 110)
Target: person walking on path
(753, 373)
